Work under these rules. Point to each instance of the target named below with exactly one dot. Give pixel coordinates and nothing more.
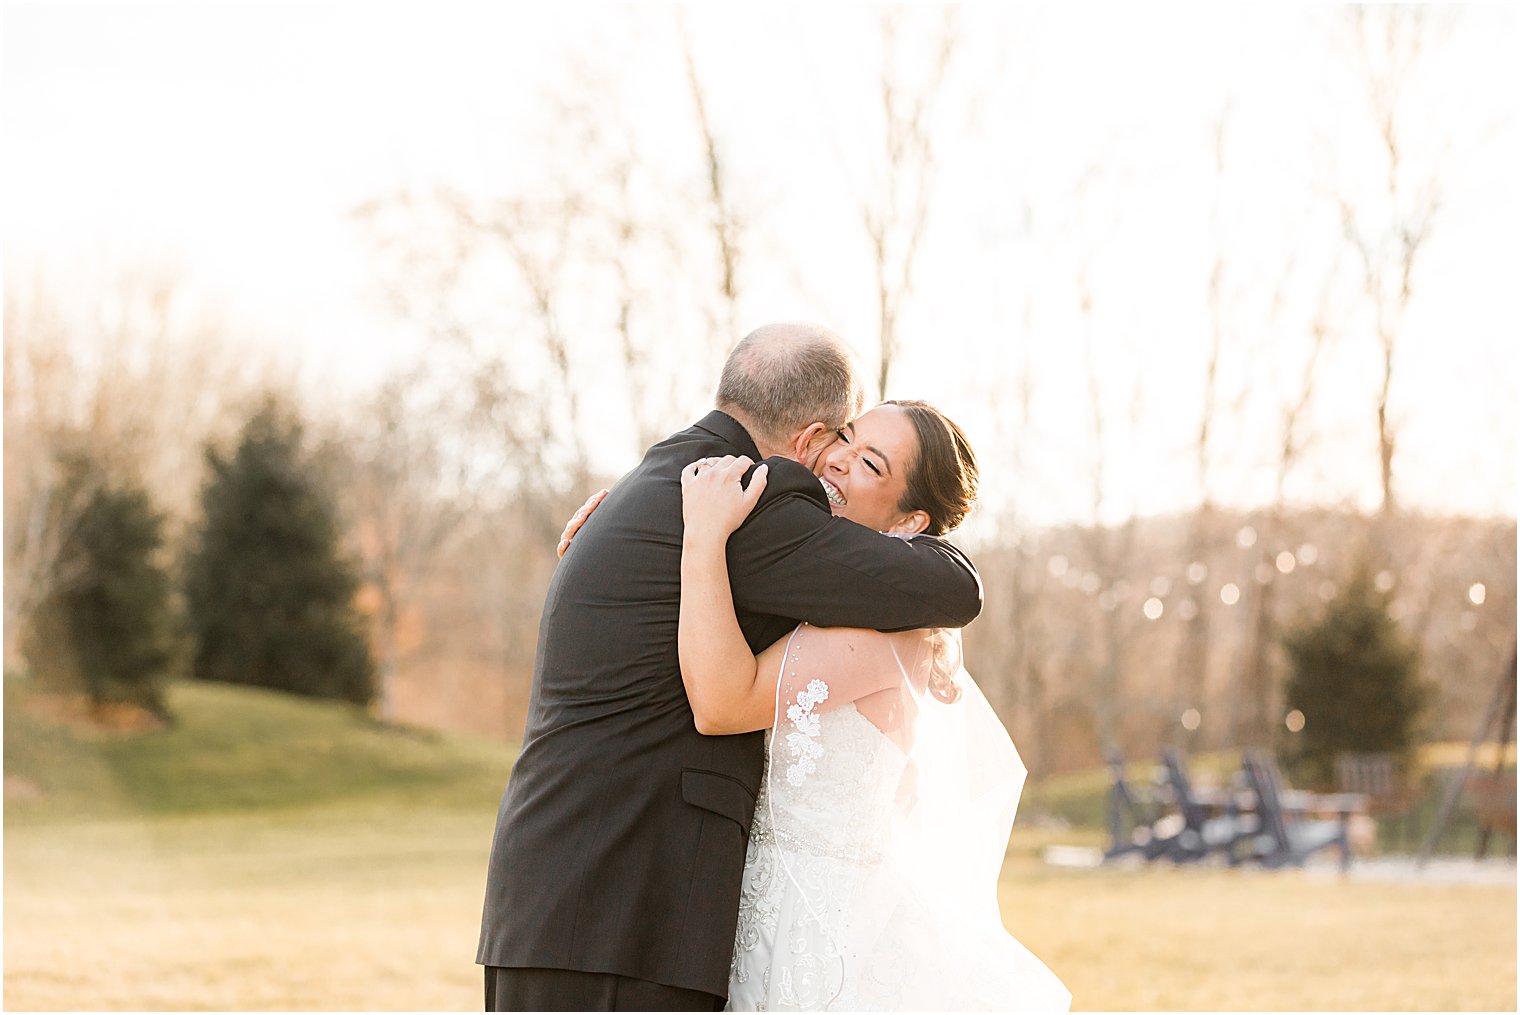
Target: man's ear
(811, 442)
(911, 524)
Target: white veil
(897, 864)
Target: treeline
(1142, 635)
(394, 550)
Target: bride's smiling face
(865, 472)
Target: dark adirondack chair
(1132, 816)
(1287, 837)
(1201, 835)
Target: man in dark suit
(619, 848)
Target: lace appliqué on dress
(802, 743)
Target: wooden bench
(1377, 777)
(1493, 797)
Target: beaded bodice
(833, 788)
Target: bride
(870, 881)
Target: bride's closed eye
(845, 438)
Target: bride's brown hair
(942, 481)
(942, 484)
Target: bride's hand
(713, 504)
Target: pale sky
(234, 139)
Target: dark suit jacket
(620, 841)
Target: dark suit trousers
(572, 990)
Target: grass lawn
(1219, 940)
(269, 853)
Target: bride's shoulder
(859, 636)
(865, 647)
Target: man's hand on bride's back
(577, 520)
(713, 501)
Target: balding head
(783, 377)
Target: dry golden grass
(267, 853)
(1223, 940)
(378, 909)
(307, 911)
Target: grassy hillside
(236, 749)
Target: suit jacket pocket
(721, 794)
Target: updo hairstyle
(942, 480)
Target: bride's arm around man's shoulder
(791, 557)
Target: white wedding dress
(870, 878)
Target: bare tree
(1013, 633)
(1252, 722)
(1251, 683)
(1193, 656)
(409, 496)
(725, 221)
(1386, 48)
(41, 505)
(1027, 633)
(536, 239)
(896, 213)
(1111, 550)
(558, 286)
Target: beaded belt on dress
(766, 835)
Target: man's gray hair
(781, 377)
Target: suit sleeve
(792, 558)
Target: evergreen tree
(109, 629)
(1355, 679)
(270, 595)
